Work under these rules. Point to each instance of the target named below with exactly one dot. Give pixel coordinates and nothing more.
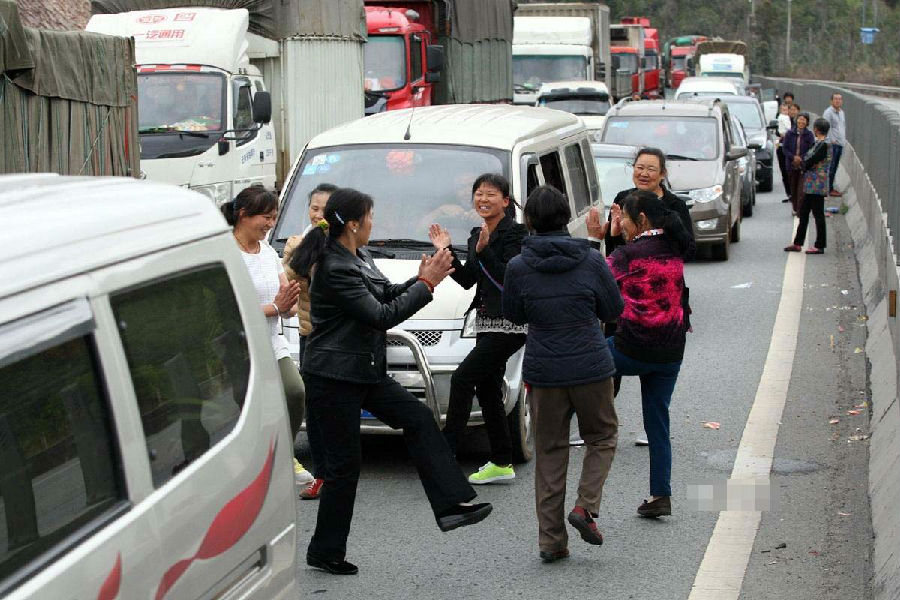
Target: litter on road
(711, 424)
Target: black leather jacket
(505, 243)
(673, 203)
(352, 306)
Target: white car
(587, 99)
(419, 168)
(144, 447)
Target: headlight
(219, 193)
(706, 195)
(468, 328)
(707, 224)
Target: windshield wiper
(402, 243)
(680, 157)
(178, 131)
(380, 252)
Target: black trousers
(816, 204)
(312, 433)
(784, 173)
(334, 409)
(481, 374)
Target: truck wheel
(520, 430)
(766, 184)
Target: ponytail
(659, 217)
(343, 206)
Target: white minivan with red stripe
(144, 447)
(204, 115)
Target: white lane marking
(721, 573)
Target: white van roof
(193, 36)
(58, 227)
(708, 84)
(485, 125)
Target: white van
(589, 100)
(697, 87)
(144, 447)
(419, 167)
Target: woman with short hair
(562, 289)
(797, 142)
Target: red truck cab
(652, 84)
(678, 66)
(401, 63)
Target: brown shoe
(549, 556)
(581, 520)
(660, 507)
(835, 194)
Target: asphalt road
(402, 554)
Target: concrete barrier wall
(871, 161)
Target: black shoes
(335, 567)
(555, 555)
(660, 507)
(786, 200)
(460, 516)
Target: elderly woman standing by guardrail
(797, 142)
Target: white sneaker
(641, 442)
(301, 475)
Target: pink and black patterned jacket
(650, 275)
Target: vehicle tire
(766, 184)
(747, 209)
(735, 233)
(520, 430)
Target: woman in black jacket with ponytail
(352, 306)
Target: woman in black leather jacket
(352, 306)
(490, 248)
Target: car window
(189, 363)
(531, 179)
(581, 195)
(552, 170)
(59, 459)
(593, 184)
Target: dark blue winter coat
(562, 288)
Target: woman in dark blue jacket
(562, 288)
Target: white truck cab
(724, 65)
(589, 100)
(204, 115)
(144, 446)
(549, 49)
(419, 169)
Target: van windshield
(413, 186)
(695, 138)
(529, 72)
(579, 105)
(747, 113)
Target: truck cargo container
(209, 71)
(64, 111)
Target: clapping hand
(596, 228)
(484, 237)
(434, 269)
(615, 227)
(287, 296)
(439, 236)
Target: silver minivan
(144, 447)
(419, 167)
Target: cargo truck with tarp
(231, 90)
(424, 52)
(722, 58)
(67, 101)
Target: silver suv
(702, 159)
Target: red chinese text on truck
(401, 62)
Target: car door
(732, 176)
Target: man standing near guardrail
(837, 137)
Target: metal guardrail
(873, 129)
(860, 88)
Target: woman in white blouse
(251, 215)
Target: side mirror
(736, 152)
(434, 57)
(224, 147)
(773, 124)
(432, 77)
(262, 107)
(754, 146)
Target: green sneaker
(490, 473)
